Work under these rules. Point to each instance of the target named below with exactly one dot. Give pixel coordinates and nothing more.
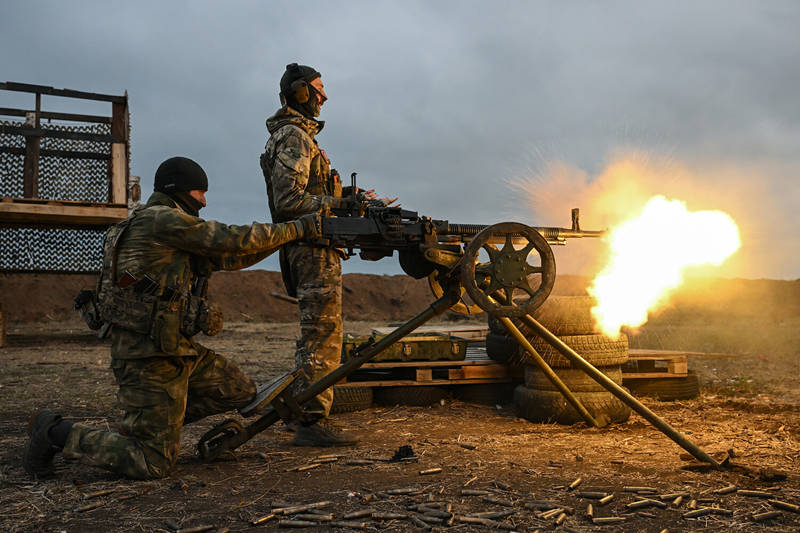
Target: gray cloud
(440, 103)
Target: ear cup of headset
(300, 91)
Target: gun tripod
(491, 285)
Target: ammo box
(415, 347)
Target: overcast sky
(475, 112)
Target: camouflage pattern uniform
(166, 379)
(300, 181)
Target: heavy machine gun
(508, 281)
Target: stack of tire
(570, 319)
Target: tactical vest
(163, 314)
(320, 180)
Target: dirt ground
(749, 407)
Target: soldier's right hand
(312, 226)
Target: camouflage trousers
(160, 395)
(317, 274)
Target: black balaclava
(177, 176)
(294, 72)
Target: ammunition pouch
(200, 315)
(86, 305)
(128, 309)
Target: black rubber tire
(351, 399)
(666, 389)
(502, 349)
(561, 315)
(484, 393)
(598, 350)
(551, 407)
(417, 396)
(575, 379)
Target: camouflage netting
(60, 178)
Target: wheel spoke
(485, 269)
(508, 247)
(493, 252)
(509, 291)
(494, 285)
(527, 250)
(525, 286)
(530, 269)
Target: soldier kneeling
(152, 289)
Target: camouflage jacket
(298, 175)
(174, 248)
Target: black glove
(310, 227)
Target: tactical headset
(299, 87)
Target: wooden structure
(63, 179)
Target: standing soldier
(152, 288)
(300, 181)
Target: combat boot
(323, 433)
(37, 456)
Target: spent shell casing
(498, 501)
(401, 491)
(318, 512)
(224, 530)
(591, 495)
(754, 493)
(468, 446)
(474, 492)
(724, 512)
(388, 516)
(264, 519)
(437, 514)
(590, 512)
(367, 498)
(641, 504)
(567, 529)
(676, 502)
(639, 489)
(359, 514)
(652, 503)
(726, 490)
(539, 506)
(419, 523)
(769, 515)
(500, 485)
(560, 519)
(672, 495)
(196, 529)
(785, 506)
(296, 523)
(359, 462)
(425, 507)
(379, 459)
(575, 484)
(172, 524)
(665, 530)
(321, 460)
(430, 471)
(314, 517)
(496, 514)
(428, 519)
(644, 514)
(308, 467)
(703, 511)
(551, 513)
(706, 500)
(450, 521)
(470, 520)
(99, 494)
(330, 456)
(692, 505)
(351, 525)
(448, 508)
(89, 507)
(430, 497)
(300, 508)
(609, 520)
(605, 500)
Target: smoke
(549, 188)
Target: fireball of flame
(649, 255)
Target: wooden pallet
(661, 363)
(475, 368)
